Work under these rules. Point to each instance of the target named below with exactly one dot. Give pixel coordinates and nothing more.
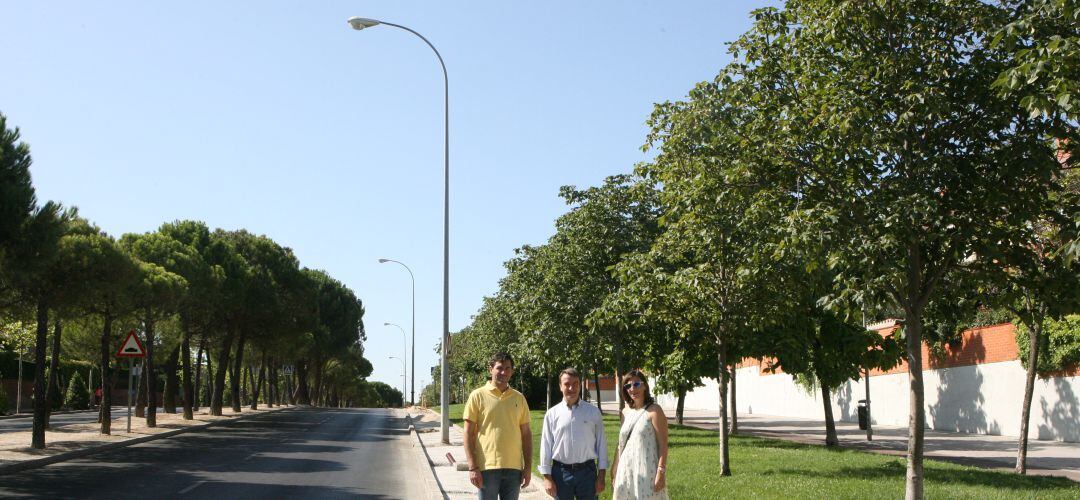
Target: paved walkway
(1050, 458)
(453, 482)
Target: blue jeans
(503, 484)
(579, 483)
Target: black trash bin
(863, 414)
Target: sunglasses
(635, 384)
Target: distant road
(301, 453)
(59, 419)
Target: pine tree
(77, 397)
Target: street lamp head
(383, 261)
(359, 23)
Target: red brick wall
(987, 344)
(607, 383)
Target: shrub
(77, 397)
(1059, 348)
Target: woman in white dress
(639, 469)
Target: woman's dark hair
(635, 373)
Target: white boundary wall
(983, 399)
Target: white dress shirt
(572, 435)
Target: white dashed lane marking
(189, 488)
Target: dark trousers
(504, 484)
(574, 483)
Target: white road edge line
(189, 488)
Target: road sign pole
(18, 388)
(131, 362)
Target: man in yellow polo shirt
(498, 441)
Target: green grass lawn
(767, 468)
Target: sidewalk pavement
(455, 483)
(1048, 458)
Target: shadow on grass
(893, 469)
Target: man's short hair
(571, 372)
(500, 356)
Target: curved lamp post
(359, 23)
(412, 279)
(402, 376)
(404, 343)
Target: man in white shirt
(573, 450)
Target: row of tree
(856, 160)
(222, 296)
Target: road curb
(432, 485)
(61, 457)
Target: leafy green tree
(17, 199)
(226, 315)
(110, 276)
(1037, 283)
(1044, 71)
(76, 397)
(882, 119)
(339, 325)
(38, 285)
(388, 395)
(692, 281)
(1059, 346)
(158, 294)
(204, 285)
(17, 336)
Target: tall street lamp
(405, 345)
(402, 376)
(412, 279)
(359, 23)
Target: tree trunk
(317, 396)
(681, 405)
(547, 404)
(830, 425)
(54, 371)
(1035, 333)
(734, 403)
(721, 358)
(105, 410)
(619, 371)
(140, 390)
(37, 440)
(218, 392)
(195, 397)
(185, 373)
(246, 391)
(272, 394)
(264, 376)
(172, 382)
(257, 385)
(237, 373)
(150, 374)
(917, 416)
(596, 383)
(301, 393)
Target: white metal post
(18, 389)
(131, 364)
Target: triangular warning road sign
(132, 347)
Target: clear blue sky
(277, 117)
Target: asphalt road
(300, 453)
(59, 419)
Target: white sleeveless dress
(638, 458)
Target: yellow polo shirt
(498, 416)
